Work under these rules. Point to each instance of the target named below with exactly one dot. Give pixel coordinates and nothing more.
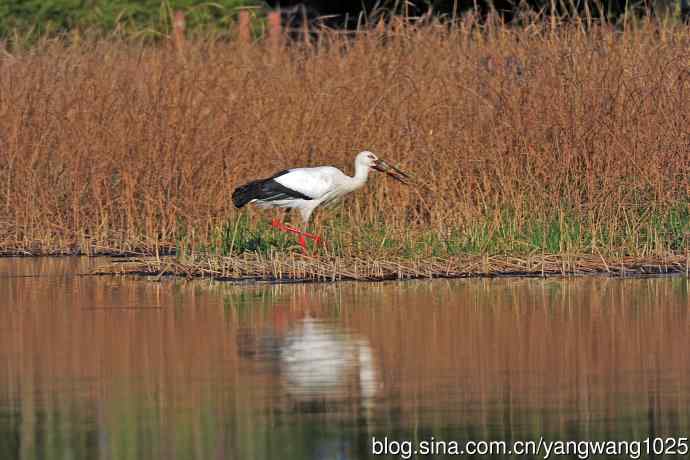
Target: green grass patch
(640, 232)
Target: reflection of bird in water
(317, 362)
(320, 363)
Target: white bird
(307, 188)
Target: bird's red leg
(284, 227)
(303, 243)
(290, 229)
(317, 239)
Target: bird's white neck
(361, 175)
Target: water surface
(119, 368)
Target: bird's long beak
(392, 171)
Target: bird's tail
(246, 193)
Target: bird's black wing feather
(265, 190)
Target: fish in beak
(392, 171)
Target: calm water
(118, 368)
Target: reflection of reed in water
(207, 371)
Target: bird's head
(369, 160)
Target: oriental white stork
(307, 188)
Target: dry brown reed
(113, 146)
(279, 267)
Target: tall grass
(524, 140)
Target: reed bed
(279, 267)
(560, 143)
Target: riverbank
(278, 268)
(524, 141)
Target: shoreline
(281, 268)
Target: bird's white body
(323, 184)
